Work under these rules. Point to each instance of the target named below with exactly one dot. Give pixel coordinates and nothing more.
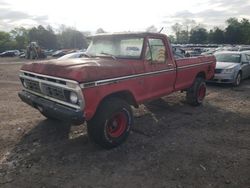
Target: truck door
(159, 67)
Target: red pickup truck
(118, 71)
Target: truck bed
(187, 69)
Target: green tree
(20, 35)
(216, 36)
(171, 38)
(233, 32)
(45, 38)
(183, 37)
(245, 30)
(177, 30)
(198, 35)
(6, 42)
(71, 38)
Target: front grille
(52, 88)
(45, 78)
(33, 85)
(49, 90)
(218, 70)
(53, 91)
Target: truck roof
(141, 34)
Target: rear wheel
(196, 94)
(111, 124)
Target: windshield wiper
(107, 54)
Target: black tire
(197, 92)
(237, 80)
(111, 124)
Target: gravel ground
(171, 144)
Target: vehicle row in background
(189, 50)
(10, 53)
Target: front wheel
(196, 93)
(237, 80)
(111, 124)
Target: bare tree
(177, 30)
(152, 29)
(100, 30)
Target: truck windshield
(228, 57)
(116, 46)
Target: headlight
(231, 70)
(73, 97)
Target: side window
(156, 51)
(248, 57)
(243, 58)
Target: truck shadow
(53, 148)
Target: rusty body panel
(85, 69)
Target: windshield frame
(140, 57)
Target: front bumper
(222, 78)
(52, 109)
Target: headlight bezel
(24, 83)
(228, 71)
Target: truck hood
(226, 65)
(81, 70)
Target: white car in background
(231, 67)
(72, 56)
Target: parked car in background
(22, 55)
(59, 53)
(247, 52)
(48, 52)
(244, 48)
(72, 56)
(192, 53)
(231, 67)
(178, 52)
(10, 53)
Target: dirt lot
(171, 145)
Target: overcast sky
(119, 15)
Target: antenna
(161, 30)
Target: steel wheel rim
(116, 125)
(201, 92)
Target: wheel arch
(124, 95)
(201, 74)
